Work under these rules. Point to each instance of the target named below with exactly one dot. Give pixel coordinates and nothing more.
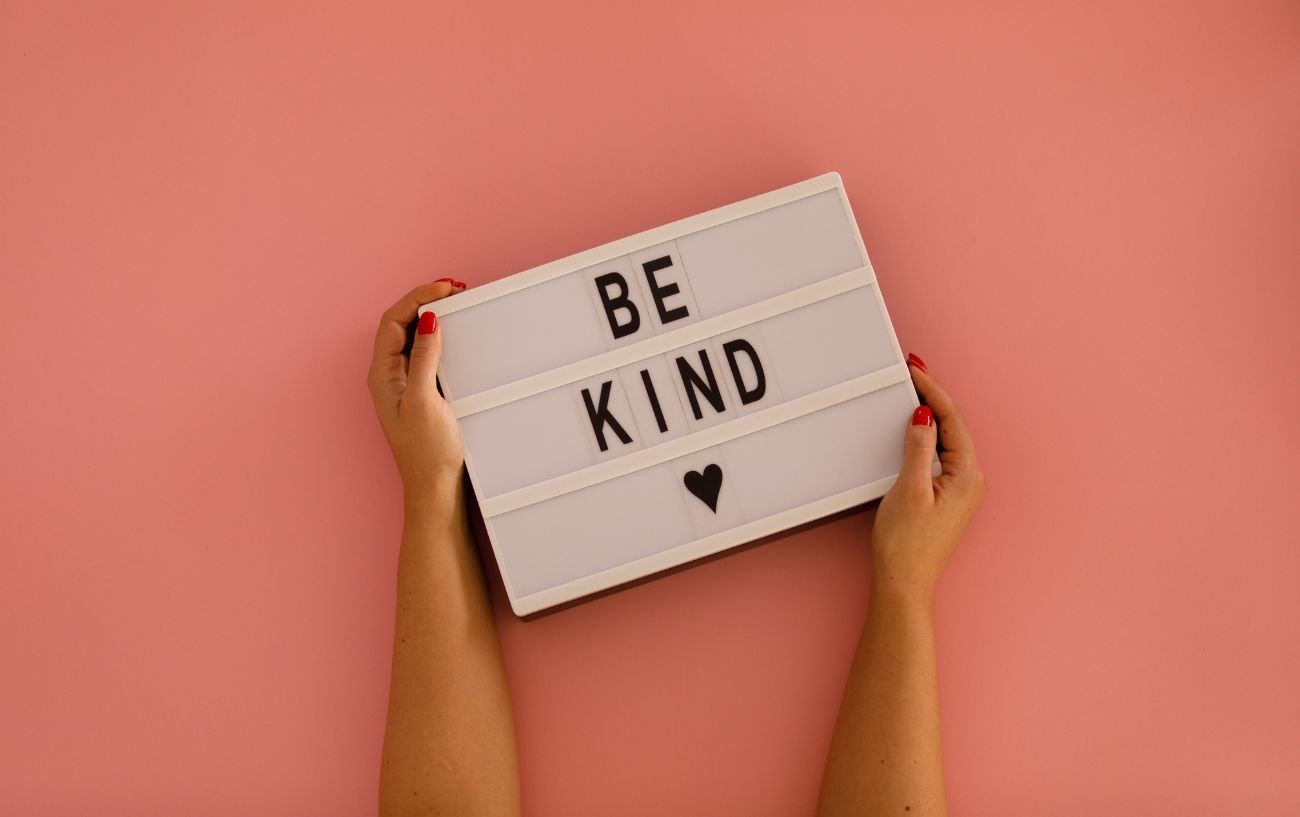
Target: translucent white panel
(526, 332)
(778, 250)
(828, 342)
(536, 447)
(587, 531)
(527, 441)
(820, 454)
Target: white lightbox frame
(863, 277)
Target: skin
(449, 747)
(885, 754)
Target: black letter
(654, 401)
(599, 416)
(620, 301)
(691, 380)
(755, 394)
(662, 292)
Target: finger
(391, 336)
(422, 381)
(916, 476)
(456, 286)
(953, 434)
(388, 366)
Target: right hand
(921, 519)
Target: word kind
(693, 379)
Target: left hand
(417, 421)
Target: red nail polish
(915, 360)
(428, 324)
(923, 416)
(459, 284)
(445, 281)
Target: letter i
(654, 401)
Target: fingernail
(428, 324)
(459, 284)
(915, 360)
(445, 281)
(923, 416)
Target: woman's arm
(885, 756)
(449, 747)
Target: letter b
(616, 304)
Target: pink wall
(1085, 220)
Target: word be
(621, 311)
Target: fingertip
(922, 380)
(921, 433)
(919, 443)
(453, 286)
(929, 390)
(428, 323)
(921, 377)
(425, 353)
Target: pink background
(1084, 218)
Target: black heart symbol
(705, 485)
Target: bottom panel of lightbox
(585, 532)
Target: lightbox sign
(675, 393)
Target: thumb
(918, 452)
(426, 351)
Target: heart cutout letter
(705, 485)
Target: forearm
(449, 746)
(885, 755)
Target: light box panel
(676, 393)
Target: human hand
(921, 519)
(417, 421)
